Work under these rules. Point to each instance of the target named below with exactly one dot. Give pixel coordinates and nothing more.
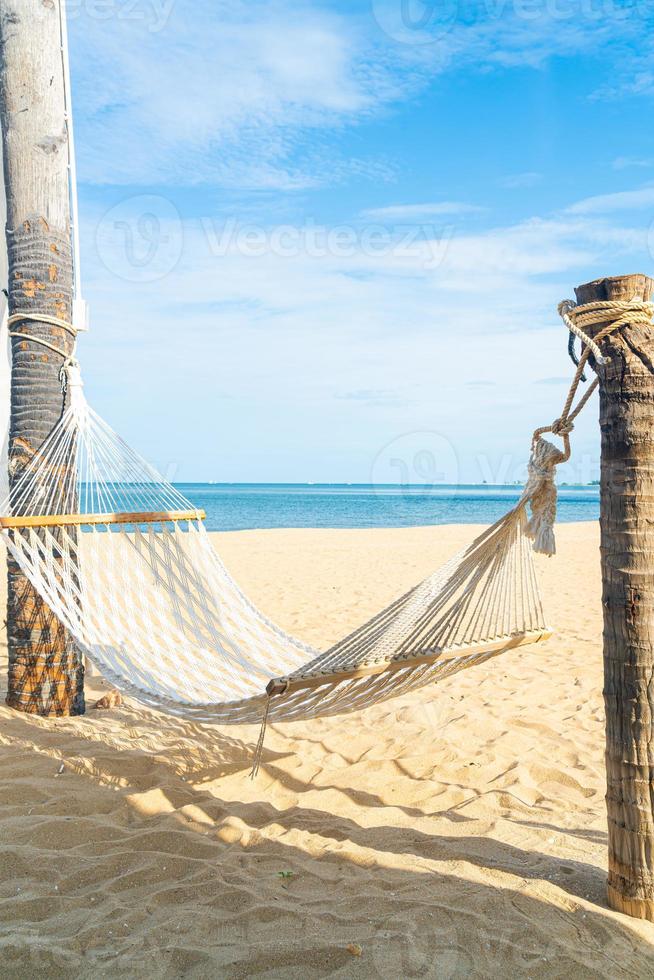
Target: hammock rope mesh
(123, 560)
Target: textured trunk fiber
(45, 669)
(627, 549)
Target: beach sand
(458, 832)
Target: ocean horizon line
(370, 486)
(246, 506)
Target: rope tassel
(540, 491)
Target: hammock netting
(123, 560)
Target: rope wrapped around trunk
(540, 489)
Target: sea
(243, 506)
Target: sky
(326, 241)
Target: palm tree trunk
(627, 553)
(46, 673)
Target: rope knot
(562, 427)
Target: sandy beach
(459, 832)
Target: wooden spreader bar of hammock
(62, 520)
(284, 685)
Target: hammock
(123, 560)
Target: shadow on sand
(128, 861)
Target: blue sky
(326, 241)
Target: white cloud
(279, 360)
(634, 78)
(302, 367)
(515, 34)
(229, 93)
(217, 95)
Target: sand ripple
(460, 832)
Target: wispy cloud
(260, 98)
(229, 93)
(624, 163)
(415, 212)
(217, 95)
(515, 181)
(376, 397)
(290, 340)
(634, 77)
(621, 201)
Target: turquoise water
(241, 506)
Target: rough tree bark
(45, 669)
(627, 553)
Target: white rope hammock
(123, 560)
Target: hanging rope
(572, 354)
(540, 489)
(258, 752)
(569, 313)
